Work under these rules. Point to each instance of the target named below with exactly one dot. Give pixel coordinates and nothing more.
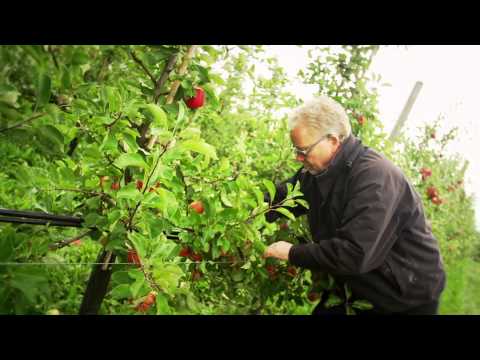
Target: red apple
(198, 100)
(133, 258)
(196, 257)
(115, 186)
(272, 271)
(150, 298)
(292, 271)
(426, 172)
(313, 296)
(197, 206)
(185, 252)
(432, 192)
(139, 184)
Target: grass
(462, 293)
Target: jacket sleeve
(368, 226)
(280, 194)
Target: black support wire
(38, 218)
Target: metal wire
(166, 262)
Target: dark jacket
(369, 230)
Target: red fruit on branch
(132, 257)
(313, 296)
(292, 271)
(150, 298)
(142, 307)
(432, 192)
(139, 184)
(115, 186)
(196, 257)
(426, 172)
(272, 271)
(361, 120)
(185, 252)
(196, 101)
(436, 200)
(197, 206)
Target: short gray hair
(324, 115)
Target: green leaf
(199, 147)
(130, 192)
(270, 187)
(302, 202)
(43, 90)
(109, 143)
(348, 292)
(162, 305)
(259, 196)
(333, 300)
(121, 277)
(52, 133)
(167, 276)
(158, 115)
(225, 200)
(130, 160)
(29, 282)
(121, 291)
(285, 212)
(66, 79)
(362, 305)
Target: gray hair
(324, 115)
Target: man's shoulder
(376, 165)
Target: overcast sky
(450, 77)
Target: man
(366, 219)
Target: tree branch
(23, 122)
(163, 78)
(139, 62)
(181, 72)
(66, 242)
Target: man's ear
(334, 140)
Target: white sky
(450, 77)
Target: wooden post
(97, 286)
(406, 110)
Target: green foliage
(102, 143)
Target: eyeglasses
(309, 148)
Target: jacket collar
(343, 158)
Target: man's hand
(278, 250)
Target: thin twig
(139, 62)
(63, 243)
(165, 148)
(24, 122)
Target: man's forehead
(301, 135)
